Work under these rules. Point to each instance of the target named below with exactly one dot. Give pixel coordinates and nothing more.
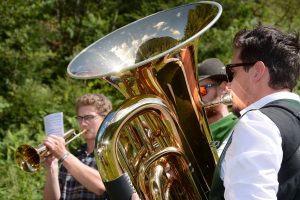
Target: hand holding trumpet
(56, 145)
(57, 149)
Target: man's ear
(259, 70)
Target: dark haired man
(262, 158)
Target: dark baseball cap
(212, 68)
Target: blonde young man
(213, 85)
(77, 178)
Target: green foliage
(14, 183)
(3, 104)
(39, 38)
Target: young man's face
(240, 85)
(208, 89)
(90, 120)
(214, 92)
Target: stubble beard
(211, 111)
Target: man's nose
(82, 122)
(228, 86)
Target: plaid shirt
(70, 188)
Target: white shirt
(253, 159)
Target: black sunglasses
(229, 67)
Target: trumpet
(29, 158)
(225, 99)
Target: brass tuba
(159, 137)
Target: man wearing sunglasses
(262, 157)
(78, 177)
(213, 85)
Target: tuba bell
(159, 136)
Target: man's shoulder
(283, 105)
(288, 102)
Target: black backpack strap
(287, 119)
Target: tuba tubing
(116, 121)
(106, 152)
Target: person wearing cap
(213, 85)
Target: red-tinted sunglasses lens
(203, 90)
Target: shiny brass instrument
(225, 99)
(29, 158)
(158, 137)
